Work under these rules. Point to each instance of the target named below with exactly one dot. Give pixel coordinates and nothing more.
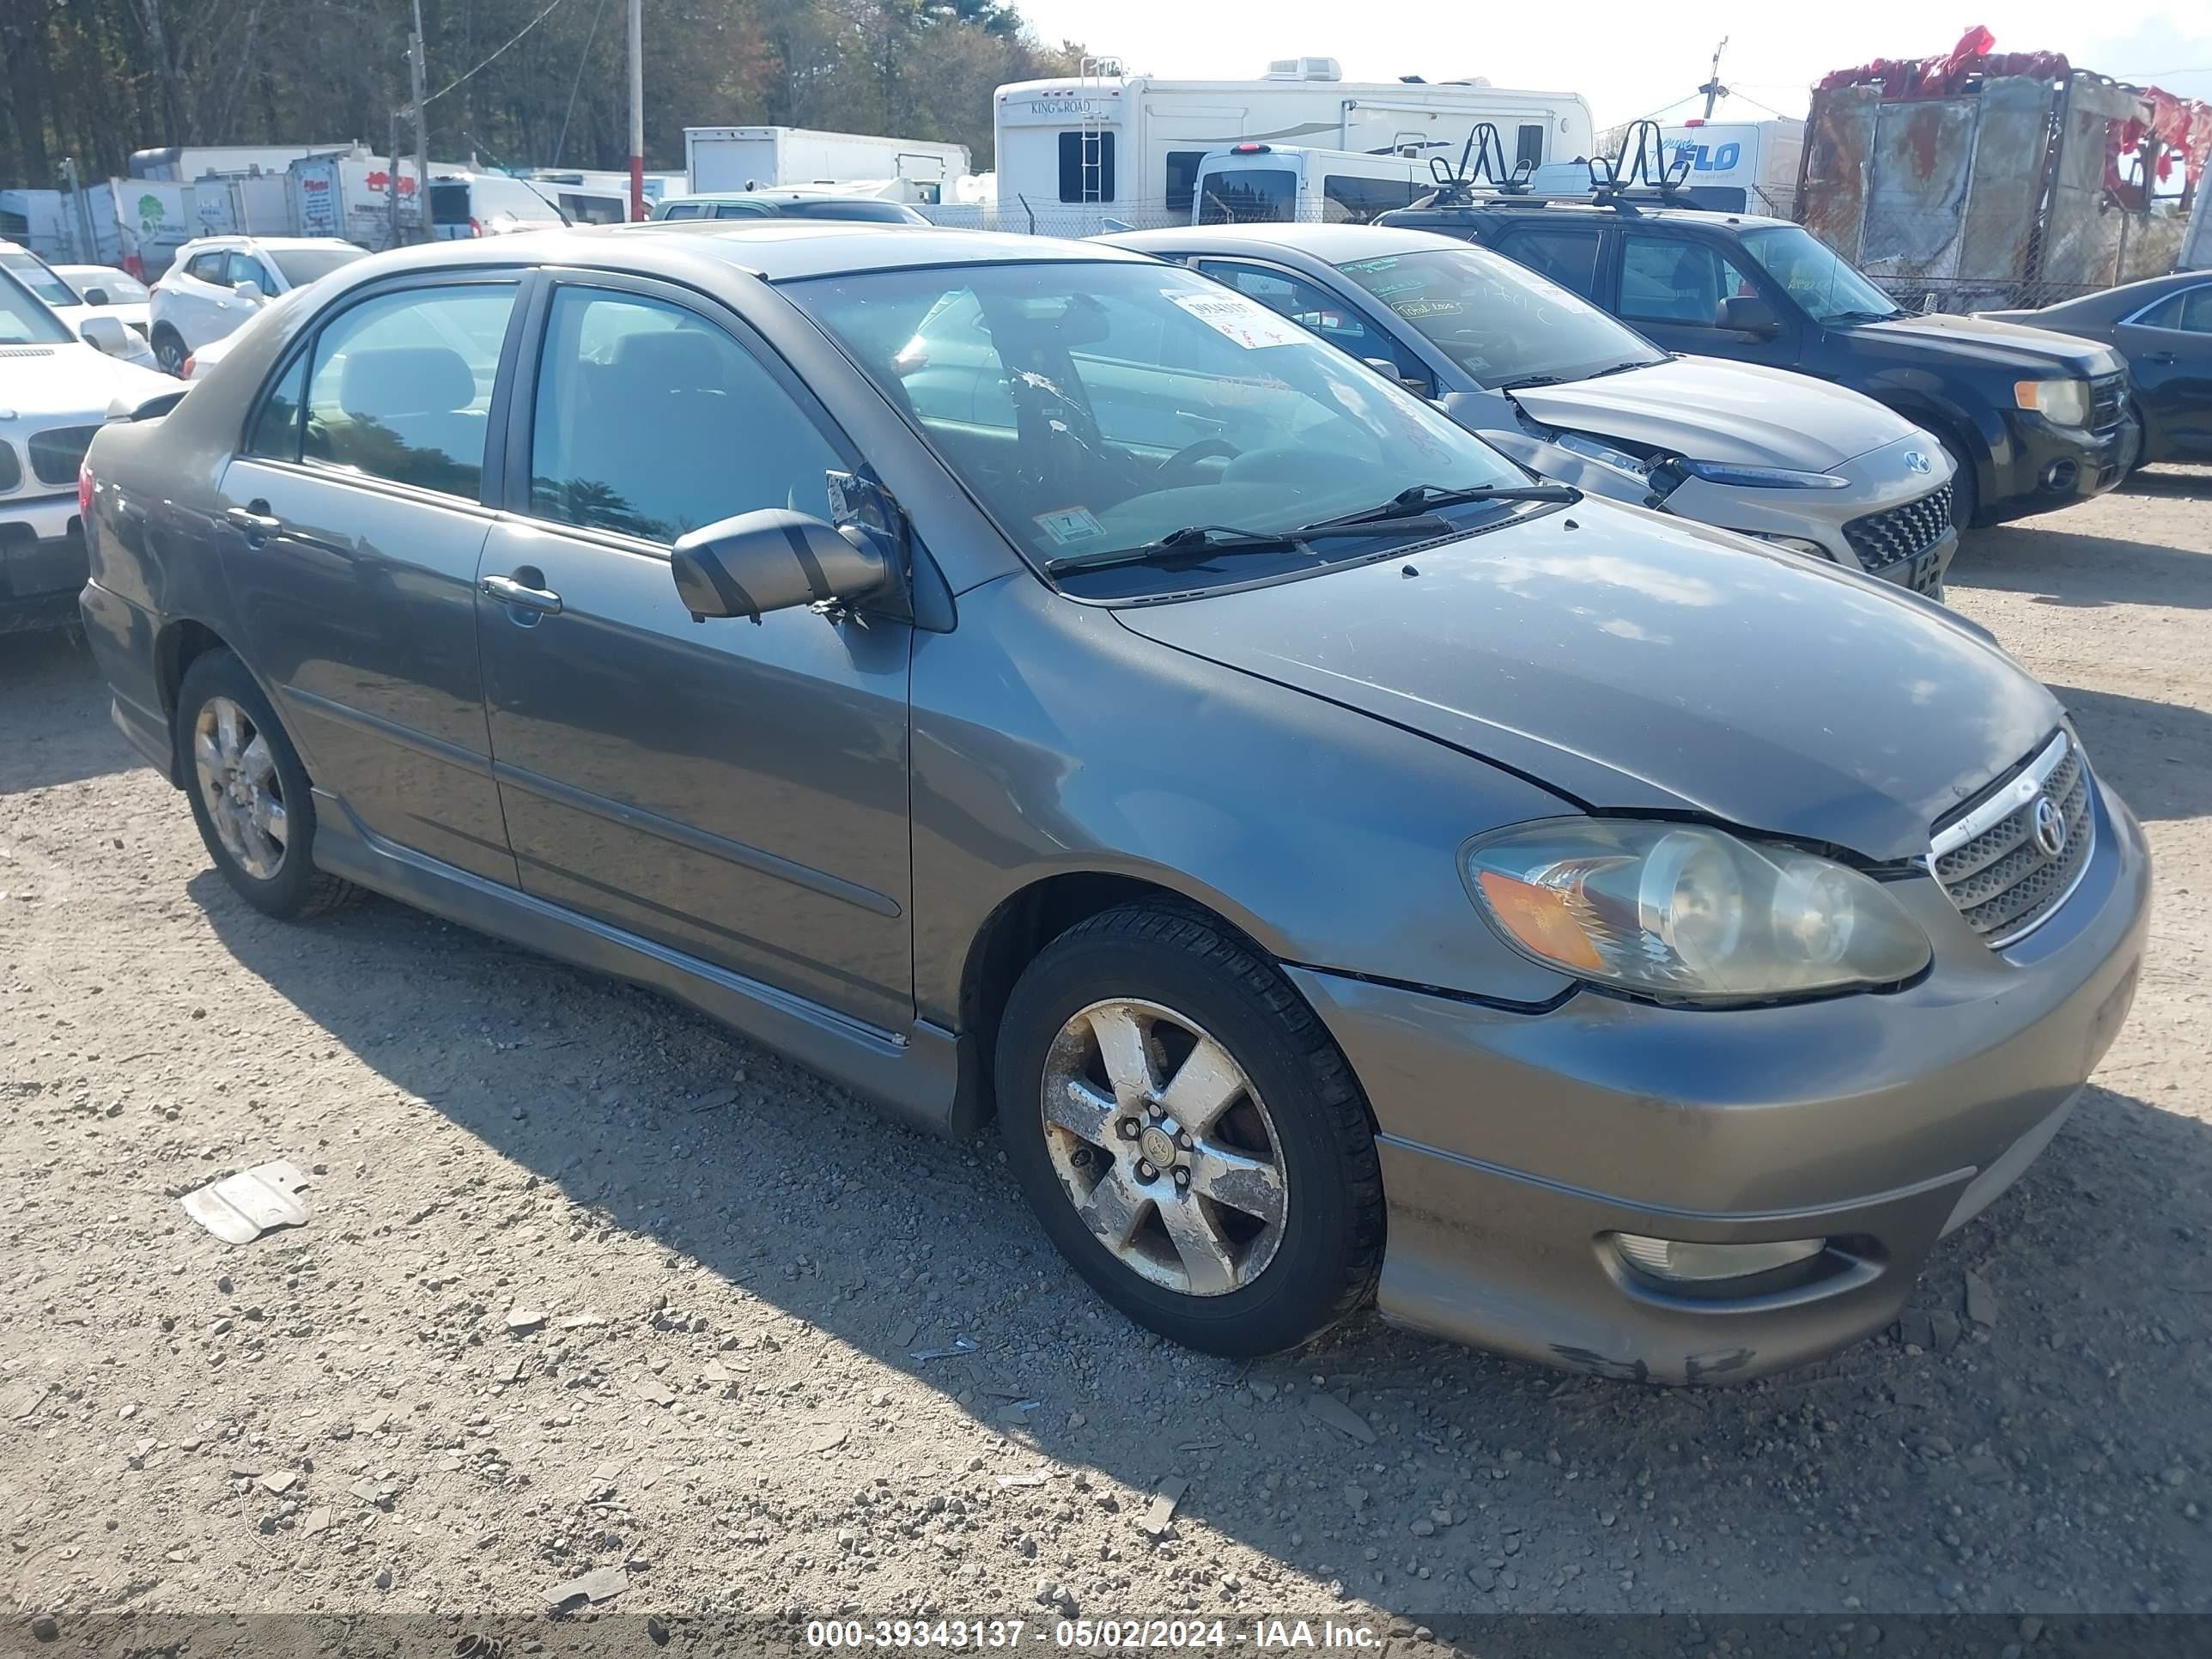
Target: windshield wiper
(1421, 498)
(1197, 541)
(1865, 316)
(1619, 369)
(1527, 380)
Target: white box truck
(1738, 166)
(762, 158)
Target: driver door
(1671, 289)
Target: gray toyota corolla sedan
(1342, 865)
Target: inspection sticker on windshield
(1069, 524)
(1250, 325)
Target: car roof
(785, 194)
(2108, 305)
(1503, 207)
(774, 249)
(1331, 244)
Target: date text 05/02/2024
(1093, 1635)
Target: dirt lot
(589, 1282)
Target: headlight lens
(1760, 477)
(2065, 402)
(1684, 912)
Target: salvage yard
(586, 1283)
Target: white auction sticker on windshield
(1070, 524)
(1251, 324)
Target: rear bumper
(1513, 1144)
(2045, 467)
(42, 563)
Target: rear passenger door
(205, 309)
(1671, 288)
(353, 519)
(733, 791)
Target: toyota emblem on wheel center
(2050, 827)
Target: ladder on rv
(1090, 139)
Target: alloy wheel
(240, 788)
(1164, 1147)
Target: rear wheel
(169, 350)
(1188, 1135)
(250, 794)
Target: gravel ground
(591, 1283)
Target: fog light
(2060, 475)
(1691, 1263)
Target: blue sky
(1610, 52)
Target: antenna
(1713, 90)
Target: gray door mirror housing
(105, 334)
(775, 560)
(96, 296)
(1747, 314)
(1390, 371)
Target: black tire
(169, 350)
(1330, 1245)
(1966, 488)
(296, 889)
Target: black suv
(2034, 420)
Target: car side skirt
(913, 1074)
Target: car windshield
(1095, 408)
(873, 212)
(32, 274)
(1500, 321)
(302, 266)
(1817, 277)
(122, 287)
(24, 321)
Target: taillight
(84, 488)
(476, 228)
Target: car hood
(1998, 344)
(1635, 663)
(71, 383)
(1710, 411)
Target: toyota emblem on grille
(1916, 462)
(2050, 827)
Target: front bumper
(2043, 467)
(42, 562)
(1878, 483)
(1513, 1143)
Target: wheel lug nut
(1182, 1176)
(1145, 1169)
(1129, 1129)
(1081, 1157)
(1183, 1141)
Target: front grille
(1991, 859)
(57, 453)
(11, 470)
(2108, 395)
(1881, 540)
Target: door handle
(2159, 357)
(253, 522)
(521, 595)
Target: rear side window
(275, 433)
(401, 386)
(1569, 257)
(1666, 281)
(1347, 199)
(652, 421)
(682, 211)
(1086, 167)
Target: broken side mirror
(775, 560)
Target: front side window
(683, 210)
(243, 268)
(1310, 307)
(1666, 280)
(1086, 167)
(401, 386)
(1502, 324)
(1569, 257)
(1824, 285)
(652, 421)
(2189, 312)
(1349, 199)
(24, 321)
(1099, 407)
(1247, 196)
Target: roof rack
(1612, 179)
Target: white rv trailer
(1076, 155)
(763, 158)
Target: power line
(518, 34)
(583, 60)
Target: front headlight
(1686, 913)
(2063, 403)
(1760, 477)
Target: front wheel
(1188, 1135)
(169, 351)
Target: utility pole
(416, 68)
(636, 109)
(1713, 90)
(391, 184)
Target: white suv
(216, 283)
(127, 338)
